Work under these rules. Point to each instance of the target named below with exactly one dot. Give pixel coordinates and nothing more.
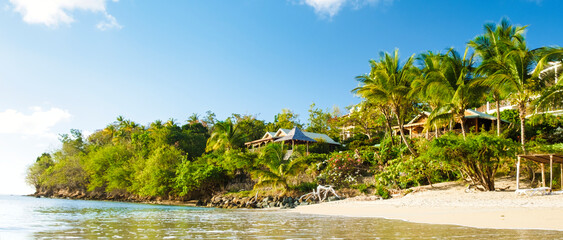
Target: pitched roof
(424, 113)
(296, 135)
(269, 135)
(282, 132)
(321, 138)
(469, 114)
(317, 136)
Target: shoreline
(449, 204)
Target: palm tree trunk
(498, 117)
(387, 116)
(463, 127)
(403, 136)
(389, 129)
(522, 110)
(437, 131)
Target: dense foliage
(170, 160)
(479, 156)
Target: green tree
(274, 170)
(318, 120)
(157, 175)
(108, 168)
(287, 119)
(193, 176)
(552, 96)
(35, 172)
(433, 87)
(477, 156)
(491, 47)
(389, 83)
(463, 95)
(225, 136)
(251, 127)
(514, 74)
(366, 119)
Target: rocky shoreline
(217, 201)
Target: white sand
(448, 203)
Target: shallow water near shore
(37, 218)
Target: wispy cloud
(38, 123)
(109, 23)
(53, 13)
(329, 8)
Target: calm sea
(40, 218)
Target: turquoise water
(40, 218)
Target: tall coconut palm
(389, 83)
(432, 86)
(514, 73)
(225, 136)
(491, 46)
(456, 78)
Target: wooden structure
(542, 159)
(296, 136)
(273, 136)
(473, 119)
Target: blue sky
(80, 63)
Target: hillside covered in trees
(200, 158)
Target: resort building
(282, 134)
(474, 121)
(551, 72)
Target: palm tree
(157, 124)
(225, 136)
(551, 97)
(514, 74)
(455, 82)
(432, 86)
(193, 119)
(170, 123)
(495, 42)
(276, 171)
(389, 83)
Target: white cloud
(38, 123)
(329, 8)
(52, 13)
(326, 7)
(109, 23)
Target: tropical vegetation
(206, 156)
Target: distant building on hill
(474, 120)
(552, 72)
(282, 132)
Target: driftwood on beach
(320, 194)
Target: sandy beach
(449, 203)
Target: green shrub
(192, 176)
(477, 156)
(383, 192)
(363, 188)
(304, 187)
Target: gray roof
(317, 136)
(477, 114)
(285, 130)
(321, 137)
(296, 135)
